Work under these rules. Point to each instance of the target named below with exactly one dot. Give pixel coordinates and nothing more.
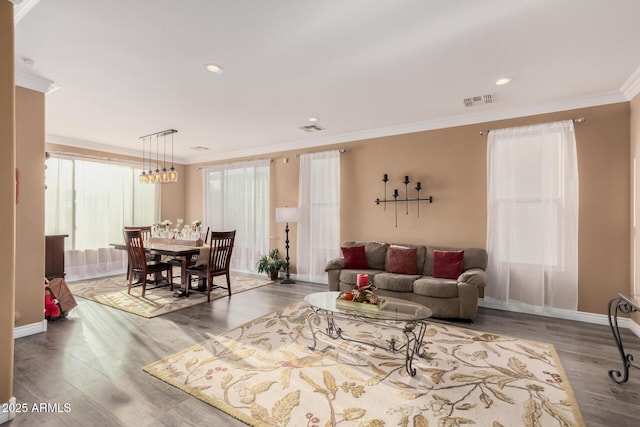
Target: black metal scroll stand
(625, 305)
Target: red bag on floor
(51, 309)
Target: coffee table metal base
(413, 331)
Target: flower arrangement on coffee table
(362, 292)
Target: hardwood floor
(93, 362)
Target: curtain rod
(341, 150)
(235, 163)
(578, 120)
(90, 157)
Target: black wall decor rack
(395, 194)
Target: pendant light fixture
(159, 175)
(144, 178)
(173, 173)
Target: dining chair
(140, 266)
(220, 250)
(146, 235)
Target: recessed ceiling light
(503, 81)
(313, 119)
(213, 68)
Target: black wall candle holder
(395, 194)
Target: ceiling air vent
(200, 148)
(478, 100)
(311, 128)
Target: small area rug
(263, 373)
(112, 291)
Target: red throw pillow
(354, 257)
(447, 264)
(401, 260)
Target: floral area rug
(263, 373)
(112, 291)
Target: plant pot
(273, 275)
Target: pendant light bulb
(173, 175)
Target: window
(237, 198)
(528, 197)
(318, 214)
(91, 201)
(532, 229)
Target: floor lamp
(287, 215)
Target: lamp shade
(286, 214)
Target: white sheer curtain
(91, 202)
(318, 238)
(237, 198)
(532, 229)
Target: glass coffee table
(406, 316)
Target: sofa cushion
(395, 282)
(447, 264)
(401, 260)
(376, 253)
(432, 287)
(354, 257)
(473, 258)
(421, 254)
(350, 277)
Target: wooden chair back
(145, 229)
(135, 249)
(220, 250)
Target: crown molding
(632, 86)
(612, 97)
(37, 83)
(89, 145)
(21, 8)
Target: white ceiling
(364, 67)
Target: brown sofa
(447, 298)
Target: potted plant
(270, 264)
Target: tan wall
(172, 194)
(173, 197)
(7, 200)
(635, 198)
(451, 165)
(603, 168)
(30, 209)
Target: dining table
(183, 252)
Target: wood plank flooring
(92, 361)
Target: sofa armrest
(335, 264)
(474, 276)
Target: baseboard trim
(31, 329)
(580, 316)
(9, 415)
